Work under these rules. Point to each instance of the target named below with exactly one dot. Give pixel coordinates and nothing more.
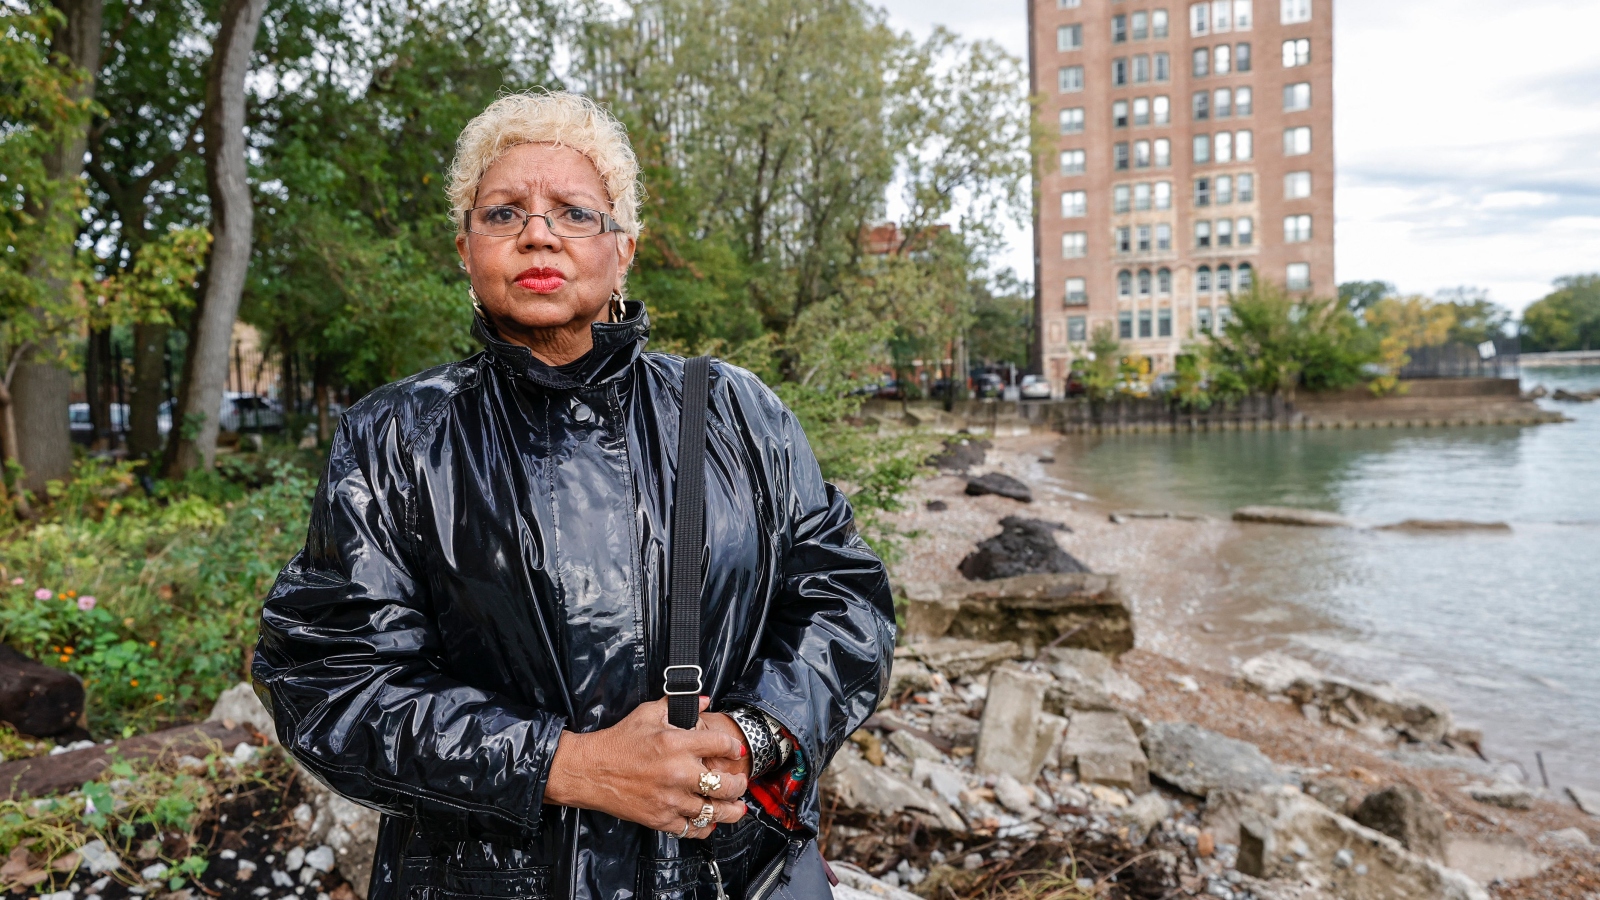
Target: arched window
(1202, 279)
(1224, 278)
(1144, 282)
(1124, 283)
(1244, 276)
(1164, 281)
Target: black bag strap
(685, 679)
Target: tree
(1102, 364)
(1274, 343)
(195, 420)
(1359, 295)
(1567, 318)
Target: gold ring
(704, 819)
(710, 782)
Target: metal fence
(1490, 359)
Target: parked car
(1075, 384)
(250, 412)
(1035, 387)
(890, 390)
(1164, 383)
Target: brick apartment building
(1192, 152)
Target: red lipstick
(542, 280)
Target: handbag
(797, 870)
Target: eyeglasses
(563, 221)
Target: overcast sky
(1468, 136)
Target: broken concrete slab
(1288, 515)
(1106, 751)
(857, 784)
(957, 657)
(1344, 701)
(1282, 833)
(1281, 674)
(1504, 794)
(1197, 761)
(941, 778)
(1486, 858)
(856, 884)
(1031, 610)
(1407, 815)
(1000, 484)
(1587, 800)
(1013, 736)
(914, 748)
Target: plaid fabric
(778, 791)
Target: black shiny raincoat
(486, 565)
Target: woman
(473, 639)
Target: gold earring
(617, 308)
(476, 303)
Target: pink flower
(86, 603)
(42, 594)
(16, 581)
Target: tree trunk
(205, 372)
(97, 390)
(323, 398)
(42, 387)
(146, 393)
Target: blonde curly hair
(547, 117)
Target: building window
(1202, 148)
(1220, 20)
(1244, 145)
(1241, 58)
(1124, 240)
(1202, 279)
(1077, 328)
(1163, 281)
(1293, 12)
(1297, 185)
(1297, 97)
(1222, 59)
(1119, 114)
(1068, 4)
(1241, 15)
(1140, 23)
(1244, 231)
(1163, 67)
(1241, 101)
(1296, 229)
(1070, 79)
(1202, 318)
(1297, 141)
(1224, 232)
(1072, 162)
(1163, 153)
(1077, 293)
(1161, 109)
(1296, 53)
(1072, 120)
(1297, 276)
(1119, 156)
(1141, 154)
(1223, 144)
(1224, 189)
(1069, 37)
(1163, 237)
(1199, 18)
(1144, 282)
(1164, 322)
(1202, 192)
(1124, 283)
(1143, 245)
(1202, 62)
(1202, 234)
(1141, 197)
(1119, 198)
(1224, 279)
(1202, 105)
(1141, 68)
(1119, 29)
(1125, 325)
(1074, 245)
(1074, 204)
(1245, 187)
(1144, 323)
(1222, 102)
(1141, 111)
(1119, 71)
(1163, 194)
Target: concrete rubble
(1286, 515)
(1076, 609)
(1374, 708)
(1197, 761)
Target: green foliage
(1101, 366)
(1567, 318)
(1002, 322)
(1360, 295)
(1274, 343)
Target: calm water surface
(1504, 626)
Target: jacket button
(582, 413)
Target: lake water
(1503, 626)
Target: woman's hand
(645, 770)
(724, 724)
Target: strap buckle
(699, 678)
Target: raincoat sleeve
(349, 663)
(829, 636)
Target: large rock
(240, 705)
(859, 785)
(958, 658)
(1023, 547)
(349, 828)
(1016, 735)
(38, 700)
(1106, 751)
(1282, 833)
(960, 453)
(1032, 610)
(1487, 858)
(1278, 673)
(1286, 515)
(1348, 702)
(1197, 761)
(1587, 800)
(1407, 815)
(997, 483)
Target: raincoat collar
(616, 346)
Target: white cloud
(1466, 136)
